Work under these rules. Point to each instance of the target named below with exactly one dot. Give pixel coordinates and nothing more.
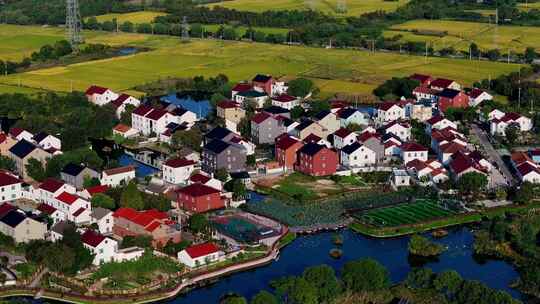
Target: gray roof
(60, 227)
(99, 213)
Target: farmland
(354, 7)
(404, 214)
(241, 30)
(349, 71)
(460, 34)
(135, 17)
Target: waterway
(313, 250)
(197, 103)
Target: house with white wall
(10, 187)
(357, 155)
(99, 95)
(389, 111)
(201, 254)
(343, 137)
(412, 150)
(178, 170)
(117, 176)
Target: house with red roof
(423, 92)
(117, 176)
(241, 87)
(439, 122)
(205, 180)
(285, 101)
(440, 84)
(262, 83)
(232, 112)
(286, 149)
(178, 170)
(450, 98)
(125, 131)
(99, 95)
(328, 120)
(198, 198)
(10, 187)
(412, 150)
(312, 138)
(20, 134)
(316, 160)
(91, 191)
(498, 125)
(526, 169)
(357, 155)
(448, 149)
(51, 188)
(122, 101)
(103, 248)
(75, 208)
(462, 164)
(6, 142)
(200, 255)
(265, 128)
(152, 223)
(155, 121)
(343, 137)
(389, 111)
(477, 96)
(425, 80)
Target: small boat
(439, 233)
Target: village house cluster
(344, 139)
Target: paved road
(502, 176)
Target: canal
(313, 250)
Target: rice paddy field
(404, 214)
(354, 7)
(134, 17)
(459, 34)
(241, 30)
(334, 71)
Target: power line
(73, 24)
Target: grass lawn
(459, 35)
(404, 214)
(241, 30)
(354, 7)
(134, 17)
(336, 71)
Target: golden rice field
(334, 70)
(134, 17)
(354, 7)
(460, 35)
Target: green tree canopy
(131, 197)
(365, 275)
(103, 201)
(301, 87)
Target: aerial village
(205, 225)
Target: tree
(7, 163)
(251, 160)
(221, 174)
(237, 187)
(396, 88)
(421, 246)
(420, 278)
(525, 193)
(35, 170)
(448, 283)
(131, 197)
(103, 201)
(244, 127)
(530, 54)
(234, 299)
(90, 182)
(297, 112)
(318, 106)
(324, 279)
(472, 182)
(191, 138)
(142, 241)
(198, 223)
(474, 50)
(264, 297)
(301, 87)
(512, 133)
(365, 275)
(125, 117)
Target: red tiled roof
(67, 198)
(200, 250)
(260, 117)
(156, 114)
(15, 131)
(95, 90)
(97, 189)
(312, 138)
(142, 110)
(284, 98)
(153, 226)
(441, 83)
(7, 179)
(452, 147)
(92, 238)
(199, 178)
(78, 212)
(526, 168)
(51, 185)
(461, 162)
(512, 116)
(285, 142)
(5, 208)
(416, 164)
(127, 213)
(342, 132)
(47, 209)
(367, 135)
(385, 106)
(420, 77)
(438, 172)
(242, 87)
(196, 190)
(475, 93)
(122, 128)
(424, 90)
(435, 119)
(3, 137)
(179, 162)
(521, 157)
(412, 146)
(120, 100)
(119, 170)
(228, 104)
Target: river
(313, 250)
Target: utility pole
(185, 29)
(73, 24)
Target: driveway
(499, 176)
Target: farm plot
(134, 17)
(460, 34)
(404, 214)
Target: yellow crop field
(460, 34)
(353, 7)
(135, 17)
(334, 70)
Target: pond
(127, 51)
(313, 250)
(141, 170)
(197, 103)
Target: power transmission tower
(73, 24)
(341, 7)
(185, 29)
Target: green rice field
(404, 214)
